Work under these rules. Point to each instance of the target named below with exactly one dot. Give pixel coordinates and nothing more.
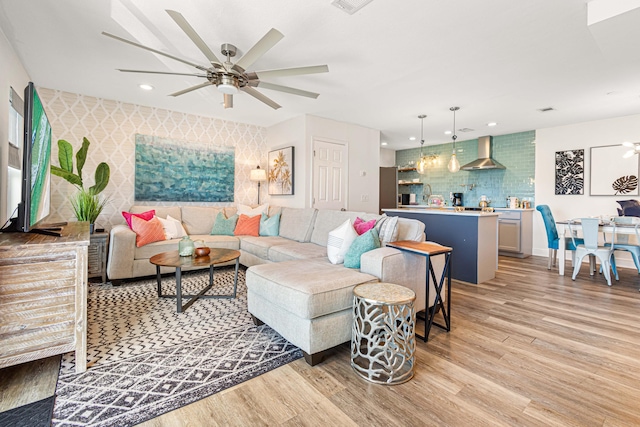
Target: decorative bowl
(202, 251)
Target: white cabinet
(515, 229)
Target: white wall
(363, 152)
(387, 158)
(12, 74)
(570, 137)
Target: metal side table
(430, 250)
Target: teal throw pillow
(364, 243)
(270, 225)
(224, 226)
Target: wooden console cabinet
(43, 295)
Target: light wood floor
(529, 348)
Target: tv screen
(38, 161)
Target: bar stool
(383, 336)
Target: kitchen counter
(451, 208)
(473, 235)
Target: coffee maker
(456, 199)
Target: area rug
(145, 359)
(36, 414)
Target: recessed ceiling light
(384, 143)
(145, 87)
(412, 138)
(492, 124)
(447, 132)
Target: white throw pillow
(249, 211)
(387, 228)
(340, 241)
(173, 228)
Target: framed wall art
(612, 174)
(570, 172)
(281, 174)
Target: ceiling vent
(465, 130)
(544, 110)
(350, 6)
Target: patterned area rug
(144, 359)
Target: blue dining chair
(622, 243)
(553, 240)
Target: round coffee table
(172, 259)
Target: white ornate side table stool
(383, 340)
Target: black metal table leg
(430, 312)
(179, 289)
(159, 279)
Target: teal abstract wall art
(170, 170)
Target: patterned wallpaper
(111, 127)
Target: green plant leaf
(65, 155)
(81, 155)
(102, 178)
(87, 206)
(69, 176)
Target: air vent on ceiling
(544, 110)
(465, 130)
(350, 6)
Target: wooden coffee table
(172, 259)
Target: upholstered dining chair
(622, 243)
(590, 246)
(553, 241)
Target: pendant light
(454, 164)
(421, 165)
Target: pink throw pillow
(362, 227)
(144, 215)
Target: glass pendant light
(423, 161)
(454, 164)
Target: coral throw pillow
(362, 227)
(147, 231)
(144, 215)
(248, 226)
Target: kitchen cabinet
(515, 232)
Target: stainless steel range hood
(484, 160)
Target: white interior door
(329, 175)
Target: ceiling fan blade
(184, 61)
(260, 97)
(228, 100)
(285, 72)
(161, 72)
(287, 89)
(268, 41)
(189, 89)
(195, 38)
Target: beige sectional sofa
(291, 285)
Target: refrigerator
(388, 188)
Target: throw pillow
(627, 204)
(387, 228)
(249, 211)
(224, 226)
(147, 231)
(339, 242)
(144, 215)
(269, 225)
(631, 211)
(362, 227)
(247, 226)
(173, 229)
(364, 243)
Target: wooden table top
(216, 256)
(420, 247)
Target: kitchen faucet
(425, 195)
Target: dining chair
(590, 246)
(622, 243)
(553, 240)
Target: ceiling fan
(228, 77)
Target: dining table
(606, 226)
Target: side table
(383, 340)
(430, 250)
(98, 249)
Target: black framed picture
(570, 172)
(281, 173)
(613, 171)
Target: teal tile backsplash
(515, 151)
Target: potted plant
(86, 204)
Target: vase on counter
(186, 246)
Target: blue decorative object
(223, 226)
(170, 170)
(364, 243)
(270, 225)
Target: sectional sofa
(291, 284)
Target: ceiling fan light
(628, 154)
(227, 88)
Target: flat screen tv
(36, 167)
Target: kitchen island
(473, 236)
